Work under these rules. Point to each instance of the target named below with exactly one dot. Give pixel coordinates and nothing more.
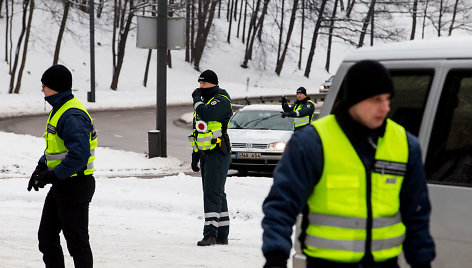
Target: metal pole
(91, 94)
(161, 102)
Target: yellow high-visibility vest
(337, 228)
(56, 151)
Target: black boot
(222, 241)
(207, 241)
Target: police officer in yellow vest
(211, 146)
(358, 180)
(67, 164)
(302, 111)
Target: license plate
(248, 155)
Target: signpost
(154, 32)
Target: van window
(449, 157)
(411, 92)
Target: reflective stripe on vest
(56, 151)
(208, 140)
(337, 218)
(301, 121)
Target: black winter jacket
(299, 171)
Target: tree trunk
(146, 71)
(301, 36)
(264, 12)
(244, 22)
(100, 8)
(192, 33)
(350, 7)
(365, 23)
(258, 28)
(281, 31)
(239, 20)
(315, 37)
(280, 62)
(441, 12)
(187, 31)
(453, 20)
(18, 46)
(122, 43)
(61, 32)
(25, 49)
(330, 36)
(203, 30)
(414, 17)
(228, 39)
(252, 23)
(7, 26)
(424, 19)
(236, 10)
(10, 38)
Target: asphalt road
(123, 130)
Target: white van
(433, 100)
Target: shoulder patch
(308, 106)
(213, 102)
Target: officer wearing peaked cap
(358, 179)
(211, 147)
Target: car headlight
(280, 146)
(322, 87)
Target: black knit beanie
(366, 79)
(301, 90)
(208, 76)
(57, 78)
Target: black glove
(283, 100)
(33, 182)
(46, 177)
(284, 114)
(275, 261)
(195, 159)
(197, 95)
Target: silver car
(258, 136)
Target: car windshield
(260, 120)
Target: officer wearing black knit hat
(211, 147)
(353, 166)
(67, 164)
(302, 111)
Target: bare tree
(61, 31)
(25, 30)
(239, 20)
(453, 20)
(228, 39)
(122, 22)
(281, 27)
(315, 37)
(257, 31)
(206, 12)
(366, 22)
(330, 36)
(280, 61)
(301, 36)
(414, 16)
(350, 7)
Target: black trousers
(66, 209)
(214, 168)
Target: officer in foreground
(358, 180)
(211, 146)
(302, 110)
(67, 164)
